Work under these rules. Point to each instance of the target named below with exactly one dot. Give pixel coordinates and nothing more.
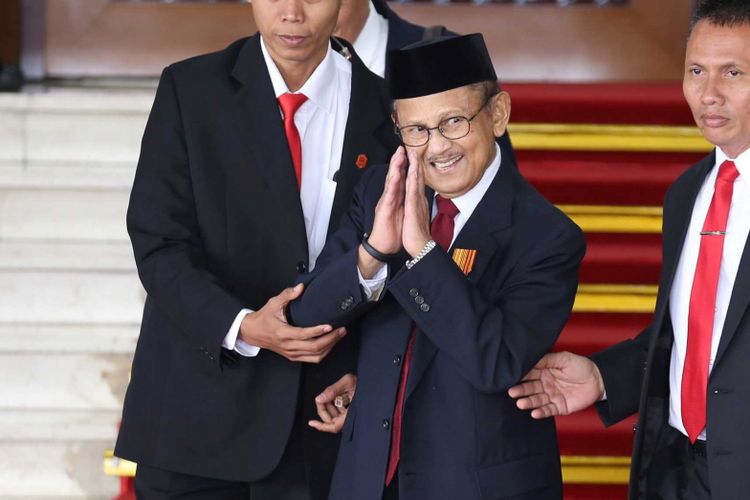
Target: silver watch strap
(425, 250)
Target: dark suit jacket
(216, 225)
(636, 372)
(463, 437)
(400, 31)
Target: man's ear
(500, 113)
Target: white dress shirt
(372, 41)
(466, 204)
(321, 122)
(738, 227)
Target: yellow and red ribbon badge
(464, 259)
(361, 161)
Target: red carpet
(631, 181)
(594, 492)
(622, 258)
(614, 103)
(587, 333)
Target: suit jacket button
(419, 299)
(386, 424)
(301, 267)
(344, 305)
(413, 292)
(425, 307)
(397, 360)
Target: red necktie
(442, 232)
(290, 103)
(703, 303)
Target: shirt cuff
(231, 341)
(374, 286)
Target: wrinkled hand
(416, 232)
(268, 328)
(560, 384)
(389, 212)
(332, 416)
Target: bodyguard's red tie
(290, 103)
(442, 232)
(703, 303)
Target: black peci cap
(437, 65)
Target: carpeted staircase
(606, 154)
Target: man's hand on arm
(560, 384)
(267, 328)
(332, 404)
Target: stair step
(580, 182)
(586, 333)
(60, 381)
(23, 255)
(68, 297)
(71, 126)
(621, 258)
(27, 426)
(55, 470)
(76, 175)
(45, 338)
(584, 434)
(80, 214)
(625, 103)
(595, 491)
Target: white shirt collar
(317, 88)
(467, 202)
(372, 40)
(742, 162)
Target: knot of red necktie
(443, 225)
(728, 172)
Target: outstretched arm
(560, 384)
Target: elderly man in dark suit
(461, 277)
(248, 161)
(688, 374)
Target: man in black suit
(375, 29)
(234, 195)
(461, 276)
(687, 374)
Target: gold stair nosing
(615, 298)
(615, 218)
(594, 137)
(595, 469)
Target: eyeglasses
(452, 128)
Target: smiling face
(296, 32)
(453, 167)
(717, 84)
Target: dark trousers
(287, 482)
(679, 470)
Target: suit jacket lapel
(368, 136)
(257, 116)
(485, 231)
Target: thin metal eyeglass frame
(439, 126)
